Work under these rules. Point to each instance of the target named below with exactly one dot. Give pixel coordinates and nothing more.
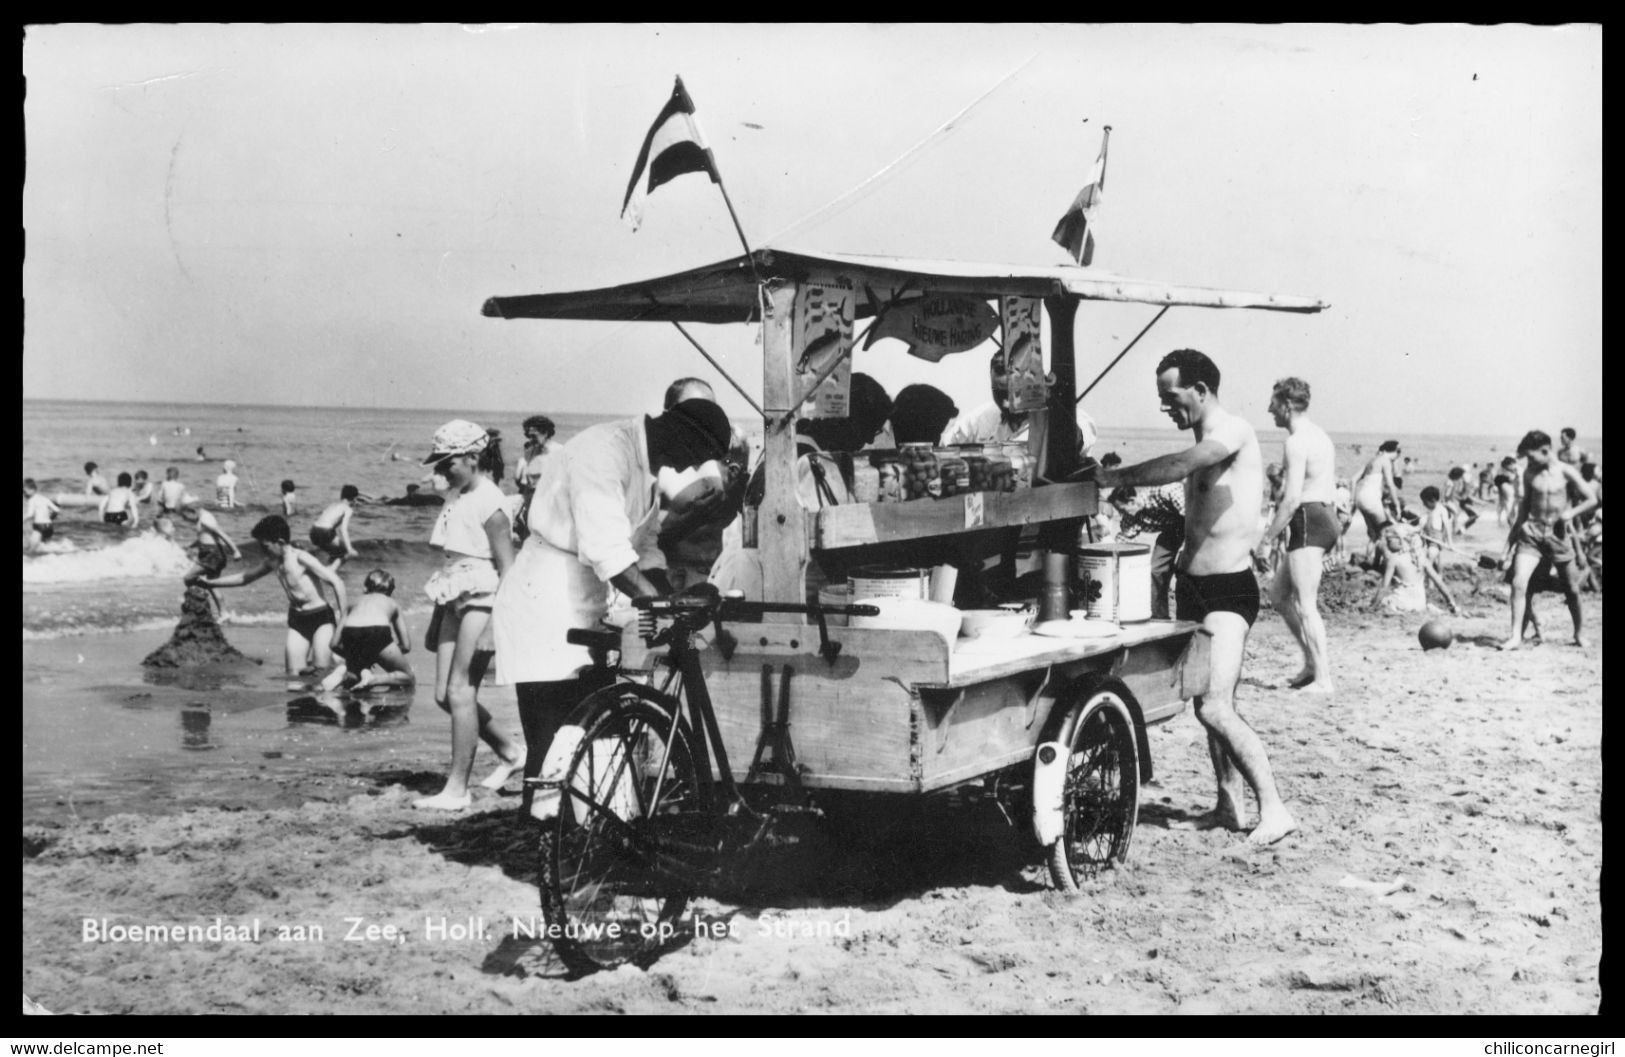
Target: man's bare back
(1310, 443)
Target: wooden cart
(905, 711)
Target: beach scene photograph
(813, 518)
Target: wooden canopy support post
(1061, 455)
(781, 528)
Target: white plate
(1077, 629)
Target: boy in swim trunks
(287, 499)
(95, 483)
(39, 513)
(1307, 515)
(373, 634)
(1436, 529)
(331, 533)
(1458, 499)
(225, 486)
(171, 497)
(1543, 531)
(310, 619)
(118, 507)
(1224, 489)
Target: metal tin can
(1119, 581)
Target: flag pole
(750, 254)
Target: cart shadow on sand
(858, 851)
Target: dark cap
(702, 424)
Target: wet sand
(1448, 862)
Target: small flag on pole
(674, 146)
(1075, 232)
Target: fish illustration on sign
(933, 325)
(1024, 354)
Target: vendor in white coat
(995, 423)
(592, 526)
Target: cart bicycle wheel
(1102, 793)
(617, 863)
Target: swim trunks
(307, 621)
(328, 540)
(361, 646)
(115, 517)
(45, 531)
(1197, 596)
(1550, 540)
(1313, 525)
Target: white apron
(546, 592)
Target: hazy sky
(315, 214)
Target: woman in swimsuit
(1376, 496)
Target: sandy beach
(1448, 862)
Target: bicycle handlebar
(732, 607)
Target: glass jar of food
(953, 471)
(921, 473)
(865, 482)
(1021, 465)
(979, 467)
(891, 474)
(1000, 473)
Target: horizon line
(616, 414)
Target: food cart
(905, 710)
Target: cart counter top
(980, 660)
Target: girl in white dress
(473, 531)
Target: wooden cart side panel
(1155, 672)
(853, 724)
(979, 729)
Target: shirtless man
(331, 532)
(1566, 449)
(1307, 514)
(1544, 529)
(310, 619)
(1224, 487)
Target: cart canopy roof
(726, 292)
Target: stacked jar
(1000, 472)
(892, 476)
(1021, 465)
(979, 471)
(921, 472)
(953, 471)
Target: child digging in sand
(310, 619)
(1408, 572)
(372, 633)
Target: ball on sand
(1435, 635)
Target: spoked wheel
(618, 862)
(1102, 794)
